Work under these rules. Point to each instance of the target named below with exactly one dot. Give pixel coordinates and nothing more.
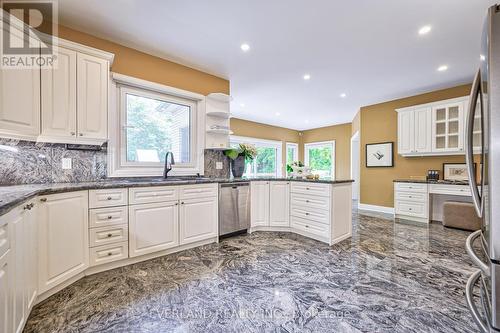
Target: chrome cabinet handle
(469, 292)
(472, 254)
(469, 153)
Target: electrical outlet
(218, 165)
(66, 163)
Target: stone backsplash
(24, 162)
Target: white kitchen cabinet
(20, 103)
(448, 127)
(153, 227)
(30, 221)
(279, 204)
(92, 97)
(18, 244)
(423, 130)
(433, 129)
(63, 237)
(406, 132)
(259, 197)
(6, 292)
(59, 99)
(198, 219)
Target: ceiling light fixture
(242, 105)
(425, 30)
(278, 114)
(442, 68)
(245, 47)
(343, 95)
(307, 77)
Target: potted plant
(239, 156)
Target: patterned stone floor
(391, 276)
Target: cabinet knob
(73, 133)
(307, 213)
(109, 198)
(409, 208)
(110, 253)
(182, 203)
(177, 204)
(43, 199)
(307, 226)
(110, 217)
(80, 134)
(307, 188)
(110, 235)
(307, 200)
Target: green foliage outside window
(320, 160)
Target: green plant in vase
(239, 156)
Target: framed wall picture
(456, 171)
(379, 155)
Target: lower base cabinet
(5, 291)
(153, 227)
(63, 238)
(198, 219)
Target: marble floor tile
(391, 276)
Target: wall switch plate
(218, 165)
(66, 163)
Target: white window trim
(294, 146)
(116, 167)
(275, 144)
(309, 145)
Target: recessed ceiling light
(242, 105)
(307, 77)
(442, 68)
(343, 95)
(424, 30)
(245, 47)
(307, 121)
(278, 114)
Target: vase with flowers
(239, 156)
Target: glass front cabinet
(448, 127)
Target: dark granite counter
(423, 181)
(12, 196)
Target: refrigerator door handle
(469, 246)
(469, 144)
(469, 292)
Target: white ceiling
(370, 50)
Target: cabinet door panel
(259, 192)
(423, 129)
(5, 291)
(18, 270)
(63, 238)
(153, 227)
(59, 97)
(406, 132)
(92, 97)
(31, 258)
(279, 206)
(198, 219)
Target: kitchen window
(292, 153)
(320, 157)
(268, 161)
(149, 122)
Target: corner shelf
(220, 131)
(219, 114)
(220, 97)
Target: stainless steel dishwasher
(234, 208)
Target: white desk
(423, 202)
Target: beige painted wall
(141, 65)
(379, 124)
(252, 129)
(356, 123)
(342, 136)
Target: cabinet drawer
(310, 226)
(108, 253)
(198, 191)
(417, 209)
(450, 189)
(108, 235)
(102, 217)
(411, 187)
(309, 201)
(311, 188)
(412, 196)
(108, 198)
(4, 239)
(153, 194)
(309, 213)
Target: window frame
(278, 145)
(308, 146)
(118, 166)
(295, 147)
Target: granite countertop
(11, 196)
(423, 181)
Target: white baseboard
(375, 208)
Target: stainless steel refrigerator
(483, 124)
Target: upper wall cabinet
(20, 102)
(75, 96)
(432, 129)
